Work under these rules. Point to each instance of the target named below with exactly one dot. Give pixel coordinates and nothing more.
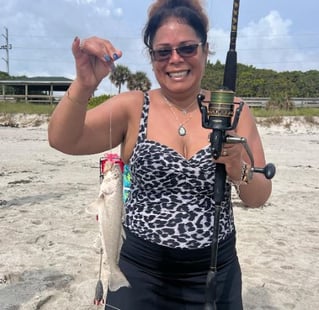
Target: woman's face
(177, 73)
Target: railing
(31, 98)
(261, 102)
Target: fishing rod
(217, 115)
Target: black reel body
(217, 114)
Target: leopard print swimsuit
(170, 199)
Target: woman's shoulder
(129, 102)
(129, 97)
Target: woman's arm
(72, 128)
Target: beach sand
(48, 254)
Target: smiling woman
(170, 206)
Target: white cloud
(103, 11)
(107, 12)
(79, 2)
(118, 12)
(267, 43)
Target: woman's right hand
(94, 59)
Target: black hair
(180, 9)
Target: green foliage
(95, 101)
(213, 77)
(4, 76)
(279, 101)
(135, 81)
(139, 81)
(252, 82)
(37, 108)
(120, 76)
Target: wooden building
(36, 89)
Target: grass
(269, 117)
(25, 108)
(8, 107)
(276, 117)
(306, 112)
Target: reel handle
(268, 171)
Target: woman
(170, 208)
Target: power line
(6, 47)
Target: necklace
(181, 128)
(185, 111)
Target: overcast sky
(275, 34)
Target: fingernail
(115, 56)
(107, 58)
(76, 38)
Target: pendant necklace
(181, 128)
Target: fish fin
(94, 206)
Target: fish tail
(99, 292)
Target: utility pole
(6, 47)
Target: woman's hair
(189, 12)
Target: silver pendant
(182, 130)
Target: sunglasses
(163, 54)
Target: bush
(95, 101)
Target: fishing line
(112, 307)
(110, 131)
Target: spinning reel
(217, 115)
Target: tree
(213, 77)
(139, 81)
(4, 76)
(120, 76)
(253, 82)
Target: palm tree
(120, 76)
(139, 81)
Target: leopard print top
(170, 200)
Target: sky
(282, 35)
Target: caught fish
(110, 213)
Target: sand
(48, 255)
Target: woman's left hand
(232, 157)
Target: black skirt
(162, 278)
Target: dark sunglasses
(163, 54)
